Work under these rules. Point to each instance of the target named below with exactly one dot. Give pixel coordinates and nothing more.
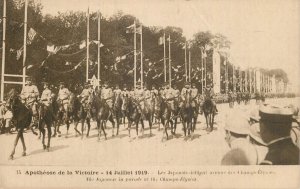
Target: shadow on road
(52, 149)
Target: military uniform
(194, 95)
(169, 95)
(46, 97)
(154, 92)
(107, 95)
(63, 97)
(85, 94)
(139, 95)
(29, 96)
(184, 92)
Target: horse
(22, 116)
(133, 113)
(163, 113)
(209, 113)
(82, 115)
(118, 111)
(102, 114)
(45, 117)
(72, 112)
(187, 115)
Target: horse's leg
(89, 126)
(166, 129)
(75, 128)
(137, 127)
(42, 129)
(82, 127)
(23, 144)
(49, 135)
(15, 144)
(102, 127)
(150, 125)
(129, 127)
(111, 119)
(143, 127)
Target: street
(205, 149)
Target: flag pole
(25, 42)
(99, 43)
(190, 69)
(142, 70)
(185, 62)
(170, 66)
(87, 44)
(3, 49)
(202, 67)
(165, 65)
(134, 52)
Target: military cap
(87, 84)
(274, 114)
(187, 83)
(255, 133)
(237, 123)
(62, 83)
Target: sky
(264, 33)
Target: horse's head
(13, 99)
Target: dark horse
(209, 112)
(72, 113)
(163, 113)
(101, 114)
(45, 117)
(187, 114)
(22, 116)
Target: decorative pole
(3, 49)
(25, 42)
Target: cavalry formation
(166, 106)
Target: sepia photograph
(152, 94)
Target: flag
(130, 29)
(161, 40)
(19, 53)
(139, 30)
(82, 44)
(30, 36)
(169, 38)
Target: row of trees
(69, 28)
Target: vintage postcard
(149, 94)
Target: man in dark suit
(275, 127)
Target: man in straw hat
(275, 126)
(237, 129)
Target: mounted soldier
(29, 95)
(117, 91)
(47, 99)
(208, 95)
(107, 95)
(139, 96)
(194, 95)
(170, 96)
(184, 91)
(153, 91)
(63, 97)
(85, 94)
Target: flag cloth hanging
(130, 29)
(30, 36)
(161, 40)
(139, 30)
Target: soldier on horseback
(185, 90)
(117, 91)
(29, 95)
(63, 97)
(208, 95)
(194, 95)
(153, 91)
(107, 95)
(47, 98)
(170, 96)
(139, 96)
(85, 95)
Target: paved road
(205, 149)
